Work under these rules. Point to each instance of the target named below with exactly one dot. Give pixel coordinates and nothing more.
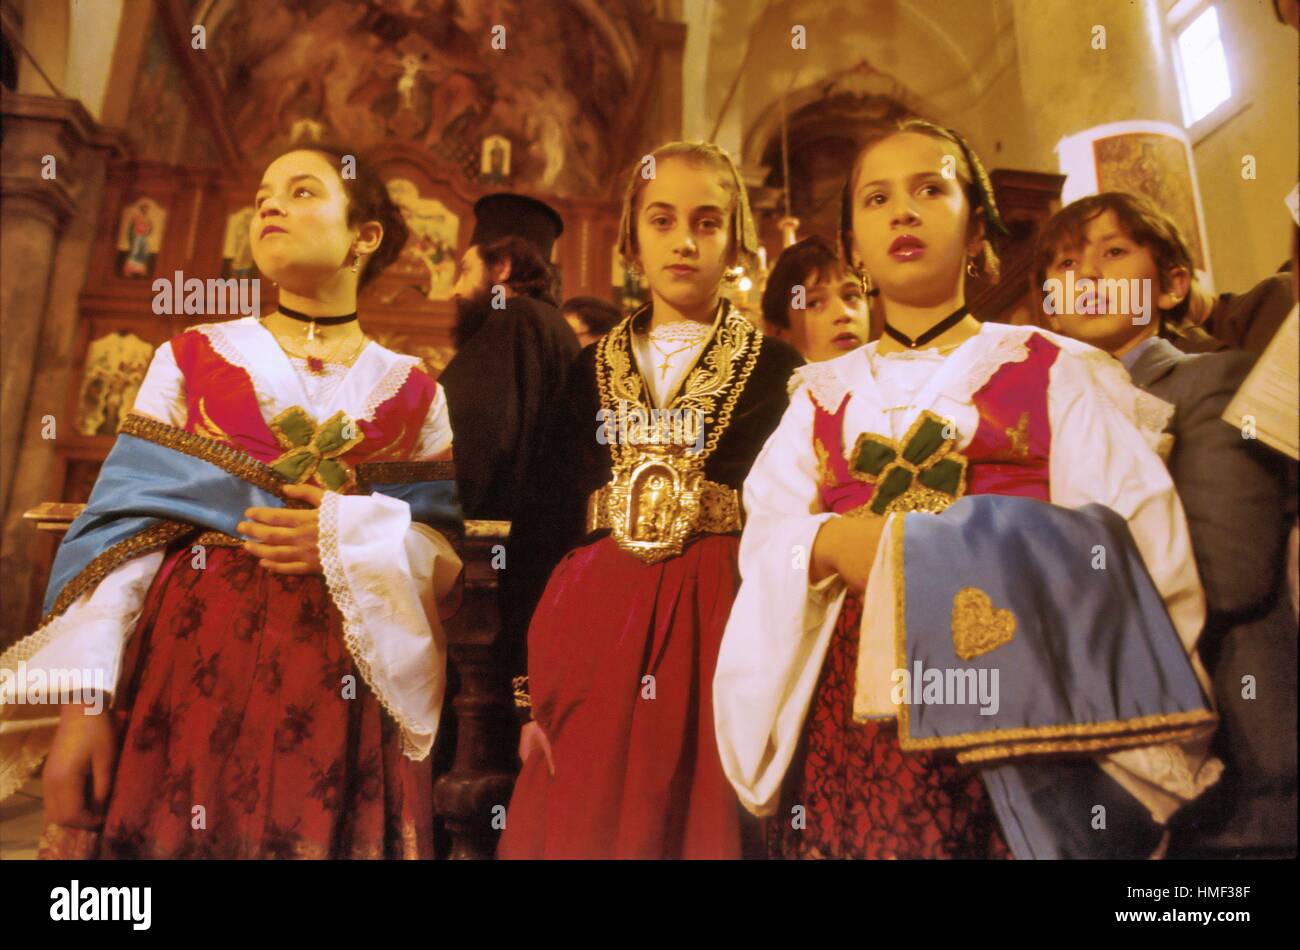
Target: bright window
(1204, 68)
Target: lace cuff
(381, 573)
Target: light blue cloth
(142, 484)
(1091, 645)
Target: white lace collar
(977, 360)
(375, 377)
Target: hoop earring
(971, 269)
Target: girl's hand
(846, 546)
(531, 739)
(84, 751)
(285, 538)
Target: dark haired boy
(1126, 259)
(813, 303)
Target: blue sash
(160, 483)
(1046, 619)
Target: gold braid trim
(1085, 736)
(740, 326)
(734, 340)
(229, 459)
(218, 539)
(1106, 733)
(159, 535)
(520, 686)
(1107, 744)
(150, 539)
(391, 473)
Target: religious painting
(430, 251)
(494, 168)
(236, 251)
(115, 367)
(1154, 165)
(158, 125)
(427, 72)
(139, 236)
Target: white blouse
(666, 353)
(1104, 435)
(384, 573)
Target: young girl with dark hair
(959, 504)
(254, 580)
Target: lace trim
(824, 384)
(321, 388)
(356, 636)
(681, 331)
(389, 385)
(1006, 348)
(1149, 413)
(21, 754)
(332, 370)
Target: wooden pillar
(471, 799)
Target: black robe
(503, 388)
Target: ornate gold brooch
(652, 504)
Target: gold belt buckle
(657, 501)
(652, 505)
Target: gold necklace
(316, 361)
(665, 366)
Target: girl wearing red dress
(806, 735)
(254, 580)
(667, 413)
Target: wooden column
(471, 799)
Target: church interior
(135, 131)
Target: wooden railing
(471, 796)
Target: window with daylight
(1203, 80)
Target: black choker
(322, 321)
(947, 323)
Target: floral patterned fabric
(246, 731)
(861, 795)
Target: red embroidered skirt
(238, 738)
(862, 796)
(637, 772)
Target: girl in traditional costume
(1052, 607)
(668, 412)
(254, 578)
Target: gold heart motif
(976, 627)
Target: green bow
(925, 475)
(312, 451)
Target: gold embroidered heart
(976, 627)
